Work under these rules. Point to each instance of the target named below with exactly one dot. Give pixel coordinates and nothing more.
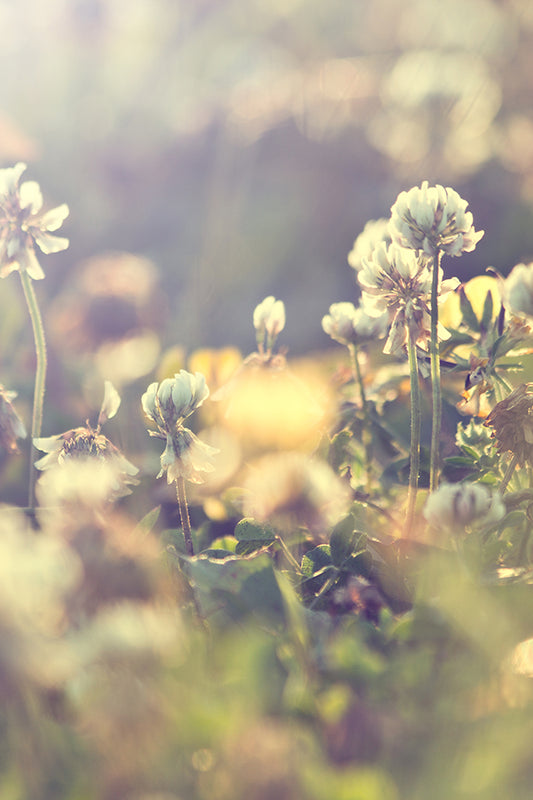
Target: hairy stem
(184, 515)
(40, 375)
(436, 395)
(416, 420)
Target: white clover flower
(168, 404)
(397, 280)
(374, 232)
(269, 320)
(517, 290)
(22, 225)
(433, 219)
(347, 324)
(459, 506)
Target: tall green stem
(366, 436)
(184, 515)
(436, 395)
(40, 375)
(416, 420)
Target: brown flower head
(512, 424)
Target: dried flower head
(23, 225)
(512, 424)
(433, 219)
(347, 324)
(11, 426)
(87, 442)
(168, 404)
(461, 505)
(398, 281)
(269, 321)
(374, 233)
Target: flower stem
(184, 514)
(436, 395)
(416, 420)
(366, 436)
(40, 375)
(508, 474)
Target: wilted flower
(269, 321)
(22, 225)
(374, 233)
(168, 404)
(433, 219)
(512, 424)
(11, 426)
(347, 324)
(398, 281)
(461, 505)
(87, 442)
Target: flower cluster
(433, 219)
(269, 321)
(460, 506)
(347, 324)
(168, 404)
(23, 225)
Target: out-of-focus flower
(23, 226)
(347, 324)
(459, 506)
(269, 321)
(512, 424)
(168, 404)
(433, 219)
(517, 290)
(374, 233)
(11, 426)
(291, 489)
(397, 280)
(87, 442)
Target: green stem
(508, 474)
(184, 515)
(40, 375)
(366, 435)
(416, 420)
(436, 395)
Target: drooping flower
(347, 324)
(374, 232)
(433, 219)
(11, 426)
(269, 321)
(87, 442)
(511, 421)
(398, 280)
(23, 226)
(168, 404)
(459, 505)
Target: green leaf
(252, 536)
(343, 540)
(316, 560)
(469, 317)
(486, 316)
(149, 521)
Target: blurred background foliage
(213, 152)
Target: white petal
(54, 218)
(30, 196)
(47, 242)
(110, 404)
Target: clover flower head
(374, 232)
(397, 280)
(23, 225)
(11, 426)
(168, 404)
(433, 219)
(87, 442)
(269, 321)
(517, 290)
(511, 421)
(459, 506)
(347, 324)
